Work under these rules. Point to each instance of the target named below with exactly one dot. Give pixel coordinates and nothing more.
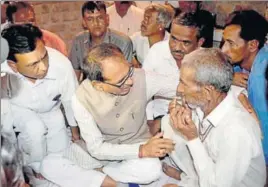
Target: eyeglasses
(121, 83)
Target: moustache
(125, 2)
(178, 51)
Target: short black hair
(21, 38)
(253, 25)
(13, 7)
(93, 5)
(196, 20)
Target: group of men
(174, 98)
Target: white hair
(211, 68)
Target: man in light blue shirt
(244, 39)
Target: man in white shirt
(125, 17)
(156, 19)
(44, 84)
(165, 57)
(6, 117)
(109, 107)
(223, 139)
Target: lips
(178, 55)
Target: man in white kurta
(112, 123)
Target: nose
(129, 81)
(43, 66)
(180, 89)
(95, 22)
(224, 48)
(178, 46)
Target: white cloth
(36, 110)
(65, 173)
(231, 154)
(129, 24)
(141, 45)
(160, 61)
(7, 121)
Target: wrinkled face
(183, 40)
(234, 46)
(122, 7)
(149, 25)
(188, 6)
(96, 22)
(33, 64)
(24, 15)
(189, 89)
(117, 75)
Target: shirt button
(117, 115)
(116, 103)
(121, 129)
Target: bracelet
(140, 151)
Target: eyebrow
(228, 40)
(33, 63)
(185, 41)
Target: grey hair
(92, 66)
(211, 68)
(164, 15)
(11, 163)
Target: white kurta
(160, 61)
(141, 45)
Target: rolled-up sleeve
(96, 144)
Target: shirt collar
(167, 54)
(217, 115)
(106, 36)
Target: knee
(151, 170)
(34, 130)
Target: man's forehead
(232, 31)
(182, 30)
(24, 13)
(94, 13)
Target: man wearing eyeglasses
(43, 84)
(109, 107)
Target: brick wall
(64, 18)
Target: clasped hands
(181, 119)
